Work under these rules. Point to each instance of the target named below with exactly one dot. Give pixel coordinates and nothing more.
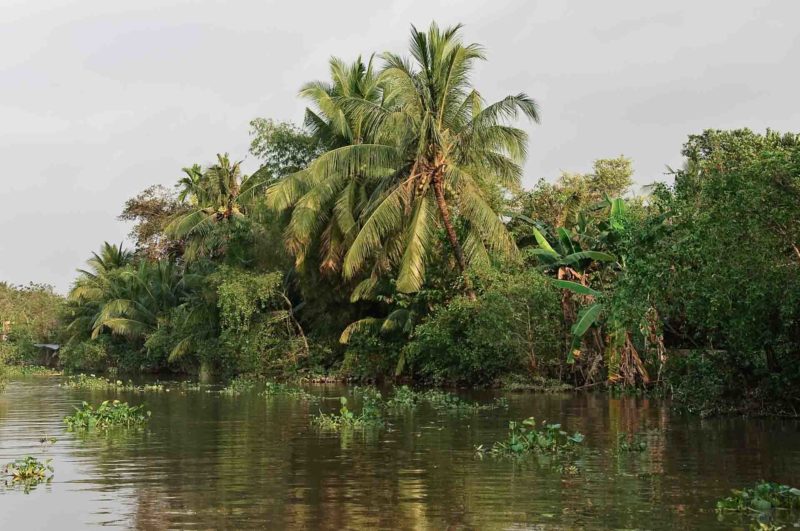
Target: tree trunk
(438, 191)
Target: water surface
(210, 461)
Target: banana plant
(588, 316)
(568, 253)
(570, 260)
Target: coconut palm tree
(324, 211)
(219, 195)
(189, 186)
(432, 149)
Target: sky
(100, 99)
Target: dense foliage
(29, 315)
(389, 237)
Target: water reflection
(211, 461)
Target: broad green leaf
(574, 287)
(617, 216)
(586, 318)
(548, 256)
(566, 241)
(590, 255)
(542, 241)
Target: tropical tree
(433, 150)
(218, 198)
(324, 211)
(93, 287)
(190, 185)
(282, 147)
(138, 298)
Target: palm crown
(427, 144)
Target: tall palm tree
(324, 211)
(190, 185)
(434, 148)
(327, 119)
(220, 194)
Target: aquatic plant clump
(91, 382)
(449, 402)
(405, 397)
(106, 416)
(371, 415)
(238, 386)
(27, 472)
(272, 389)
(529, 437)
(762, 498)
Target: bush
(89, 355)
(370, 357)
(514, 325)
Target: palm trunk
(438, 191)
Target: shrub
(370, 357)
(88, 355)
(515, 325)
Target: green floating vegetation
(272, 389)
(528, 437)
(27, 472)
(189, 385)
(631, 443)
(99, 383)
(106, 416)
(238, 386)
(405, 397)
(371, 415)
(763, 498)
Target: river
(212, 461)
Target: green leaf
(566, 240)
(542, 241)
(588, 255)
(586, 318)
(617, 216)
(574, 287)
(548, 256)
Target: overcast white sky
(100, 99)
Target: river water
(212, 461)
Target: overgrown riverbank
(377, 244)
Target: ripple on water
(206, 461)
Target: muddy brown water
(211, 461)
